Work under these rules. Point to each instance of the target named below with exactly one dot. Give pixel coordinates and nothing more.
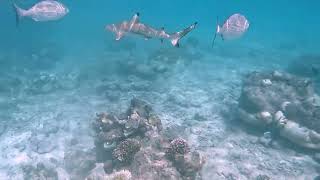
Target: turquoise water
(54, 76)
(288, 24)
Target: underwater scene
(159, 90)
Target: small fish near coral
(46, 10)
(234, 27)
(134, 26)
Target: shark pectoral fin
(119, 35)
(118, 38)
(175, 41)
(35, 19)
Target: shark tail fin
(176, 37)
(19, 13)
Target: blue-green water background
(272, 22)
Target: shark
(134, 26)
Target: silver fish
(135, 27)
(234, 27)
(46, 10)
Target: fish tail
(217, 31)
(176, 37)
(162, 32)
(19, 13)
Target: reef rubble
(283, 104)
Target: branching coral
(177, 146)
(125, 151)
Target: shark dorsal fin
(136, 17)
(134, 20)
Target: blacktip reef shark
(134, 26)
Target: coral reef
(177, 146)
(187, 163)
(120, 175)
(125, 151)
(143, 113)
(134, 140)
(150, 163)
(119, 136)
(282, 103)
